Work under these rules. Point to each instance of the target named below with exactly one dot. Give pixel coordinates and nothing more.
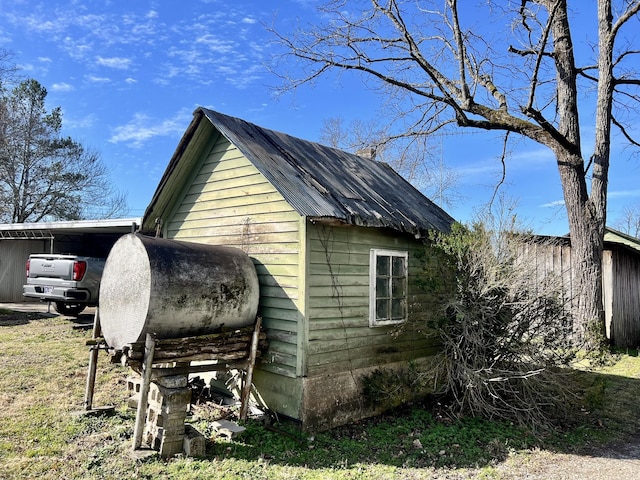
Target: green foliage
(504, 336)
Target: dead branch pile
(506, 339)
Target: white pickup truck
(71, 282)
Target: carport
(92, 238)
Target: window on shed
(387, 287)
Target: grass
(43, 364)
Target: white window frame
(373, 275)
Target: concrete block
(169, 400)
(132, 403)
(194, 442)
(227, 428)
(173, 381)
(171, 446)
(133, 384)
(172, 425)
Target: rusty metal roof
(321, 182)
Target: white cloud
(623, 193)
(96, 79)
(249, 20)
(143, 128)
(120, 63)
(77, 49)
(61, 87)
(131, 81)
(218, 45)
(84, 122)
(554, 204)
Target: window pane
(382, 309)
(398, 267)
(382, 288)
(397, 288)
(398, 308)
(383, 267)
(389, 287)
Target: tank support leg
(141, 413)
(93, 361)
(248, 376)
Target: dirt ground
(616, 461)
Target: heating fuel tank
(174, 289)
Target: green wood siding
(339, 336)
(229, 202)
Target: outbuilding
(620, 279)
(93, 238)
(335, 239)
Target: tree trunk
(586, 227)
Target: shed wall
(624, 284)
(339, 336)
(620, 285)
(13, 258)
(229, 202)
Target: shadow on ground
(22, 314)
(12, 318)
(417, 436)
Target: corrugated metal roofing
(620, 238)
(323, 182)
(109, 225)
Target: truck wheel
(69, 309)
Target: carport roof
(49, 229)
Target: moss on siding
(339, 336)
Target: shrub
(505, 338)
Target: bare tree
(441, 65)
(413, 157)
(43, 175)
(7, 68)
(629, 221)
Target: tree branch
(624, 131)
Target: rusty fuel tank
(174, 289)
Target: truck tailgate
(60, 268)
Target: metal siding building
(19, 240)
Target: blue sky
(129, 74)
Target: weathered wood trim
(607, 289)
(303, 319)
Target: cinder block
(132, 403)
(171, 446)
(173, 381)
(133, 384)
(172, 425)
(169, 400)
(194, 442)
(227, 428)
